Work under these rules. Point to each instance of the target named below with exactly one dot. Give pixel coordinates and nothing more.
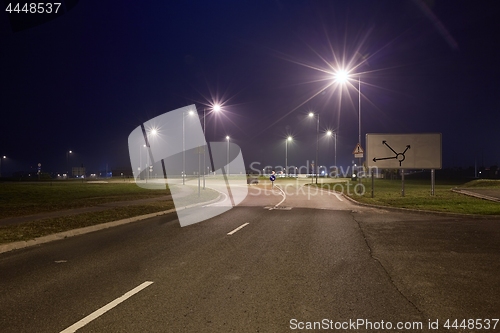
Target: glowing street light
(216, 108)
(286, 154)
(330, 133)
(342, 77)
(311, 115)
(67, 162)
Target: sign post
(433, 174)
(272, 179)
(358, 153)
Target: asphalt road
(320, 257)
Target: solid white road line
(240, 227)
(338, 196)
(105, 308)
(284, 197)
(219, 202)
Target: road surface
(314, 258)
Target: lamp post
(3, 157)
(67, 163)
(342, 77)
(330, 133)
(215, 108)
(311, 115)
(227, 138)
(190, 112)
(286, 154)
(152, 134)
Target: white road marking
(240, 227)
(284, 197)
(106, 308)
(218, 203)
(338, 196)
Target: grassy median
(31, 198)
(418, 195)
(30, 230)
(18, 198)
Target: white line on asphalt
(284, 197)
(218, 202)
(105, 308)
(240, 227)
(338, 196)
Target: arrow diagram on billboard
(399, 156)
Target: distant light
(70, 152)
(289, 138)
(311, 114)
(227, 137)
(216, 107)
(191, 112)
(341, 76)
(329, 133)
(154, 131)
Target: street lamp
(215, 108)
(227, 138)
(311, 115)
(286, 154)
(153, 132)
(67, 163)
(330, 133)
(342, 77)
(3, 157)
(190, 112)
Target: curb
(476, 195)
(417, 211)
(421, 211)
(85, 230)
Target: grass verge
(39, 228)
(17, 199)
(418, 196)
(30, 230)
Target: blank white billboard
(404, 151)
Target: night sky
(84, 80)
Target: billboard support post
(372, 182)
(433, 181)
(402, 182)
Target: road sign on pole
(404, 151)
(358, 151)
